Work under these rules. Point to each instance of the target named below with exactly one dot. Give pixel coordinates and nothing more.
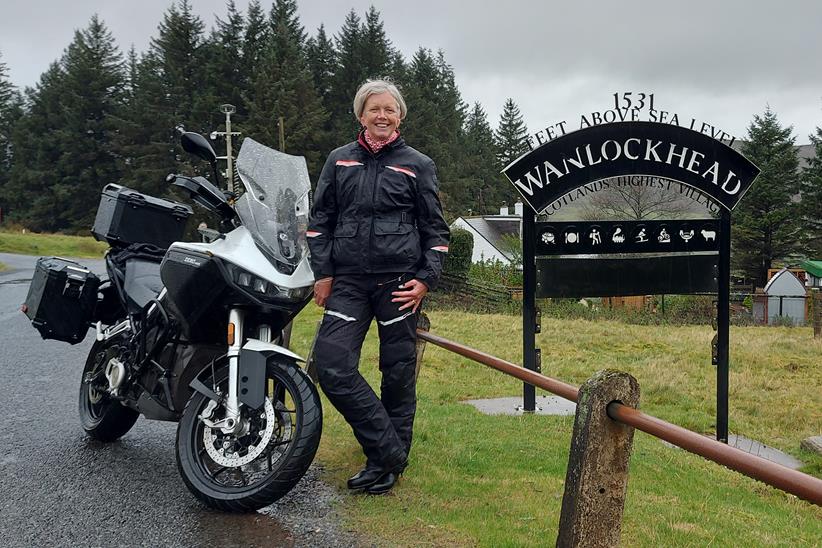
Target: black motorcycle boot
(366, 477)
(387, 480)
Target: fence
(460, 291)
(589, 509)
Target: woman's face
(381, 116)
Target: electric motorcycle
(190, 333)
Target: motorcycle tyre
(113, 419)
(297, 460)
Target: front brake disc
(215, 446)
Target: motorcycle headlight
(264, 288)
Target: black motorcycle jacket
(377, 213)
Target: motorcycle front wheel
(273, 449)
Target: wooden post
(816, 295)
(423, 324)
(310, 365)
(597, 477)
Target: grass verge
(477, 480)
(51, 244)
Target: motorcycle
(192, 333)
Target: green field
(51, 244)
(498, 481)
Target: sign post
(529, 308)
(622, 258)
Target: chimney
(518, 208)
(503, 210)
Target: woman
(378, 239)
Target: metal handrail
(791, 481)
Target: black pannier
(61, 299)
(126, 217)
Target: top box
(127, 217)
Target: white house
(488, 232)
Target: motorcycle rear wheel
(279, 442)
(103, 418)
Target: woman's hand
(322, 289)
(415, 290)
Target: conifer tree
(224, 76)
(64, 152)
(766, 223)
(421, 127)
(435, 120)
(364, 52)
(37, 150)
(321, 61)
(93, 90)
(479, 165)
(812, 198)
(284, 88)
(146, 140)
(254, 40)
(168, 89)
(10, 112)
(347, 78)
(512, 134)
(178, 50)
(375, 48)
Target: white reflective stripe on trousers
(340, 315)
(395, 320)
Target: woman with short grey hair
(376, 87)
(378, 240)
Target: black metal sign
(622, 258)
(631, 148)
(609, 237)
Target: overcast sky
(717, 61)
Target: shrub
(495, 272)
(781, 321)
(460, 250)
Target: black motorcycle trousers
(383, 424)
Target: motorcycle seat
(142, 282)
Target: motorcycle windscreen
(274, 207)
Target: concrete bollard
(423, 324)
(597, 477)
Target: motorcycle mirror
(196, 144)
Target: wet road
(59, 488)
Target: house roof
(494, 227)
(813, 267)
(786, 290)
(804, 152)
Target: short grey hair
(375, 87)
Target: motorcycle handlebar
(203, 192)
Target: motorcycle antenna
(228, 110)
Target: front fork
(235, 343)
(231, 423)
